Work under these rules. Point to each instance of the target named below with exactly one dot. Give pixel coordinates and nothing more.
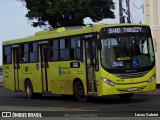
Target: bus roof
(65, 31)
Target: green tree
(56, 13)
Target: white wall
(152, 17)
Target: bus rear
(127, 60)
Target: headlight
(152, 78)
(109, 82)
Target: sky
(14, 24)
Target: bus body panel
(62, 77)
(57, 77)
(30, 72)
(8, 78)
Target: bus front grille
(131, 75)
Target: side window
(64, 49)
(22, 58)
(75, 48)
(54, 50)
(24, 53)
(7, 55)
(33, 52)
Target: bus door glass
(44, 66)
(89, 60)
(16, 66)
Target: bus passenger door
(44, 66)
(16, 67)
(89, 60)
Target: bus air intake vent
(131, 75)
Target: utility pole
(121, 17)
(128, 11)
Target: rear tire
(29, 89)
(80, 92)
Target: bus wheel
(127, 96)
(29, 89)
(79, 92)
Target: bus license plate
(132, 89)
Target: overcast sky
(14, 24)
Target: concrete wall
(152, 17)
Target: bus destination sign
(122, 30)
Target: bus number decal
(60, 71)
(88, 36)
(118, 64)
(37, 66)
(75, 65)
(15, 46)
(26, 69)
(6, 67)
(43, 42)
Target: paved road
(97, 106)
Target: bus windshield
(129, 52)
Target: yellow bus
(82, 61)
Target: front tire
(80, 92)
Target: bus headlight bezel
(152, 78)
(108, 82)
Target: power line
(126, 10)
(136, 6)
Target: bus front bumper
(128, 88)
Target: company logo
(6, 114)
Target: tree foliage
(56, 13)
